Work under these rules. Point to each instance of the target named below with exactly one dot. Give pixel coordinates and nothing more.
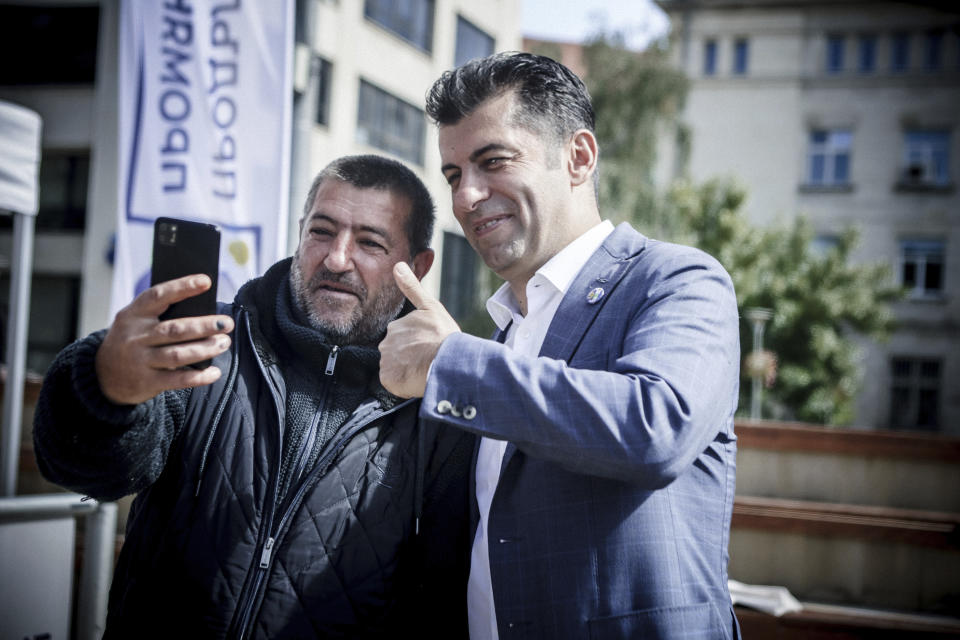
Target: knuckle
(173, 331)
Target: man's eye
(370, 244)
(493, 163)
(452, 178)
(317, 231)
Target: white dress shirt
(525, 335)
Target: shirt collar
(559, 271)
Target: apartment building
(846, 112)
(362, 70)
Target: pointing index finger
(411, 287)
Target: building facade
(362, 68)
(846, 112)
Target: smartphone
(182, 248)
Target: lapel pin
(594, 296)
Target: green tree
(637, 98)
(820, 300)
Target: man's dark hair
(376, 172)
(552, 98)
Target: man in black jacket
(282, 492)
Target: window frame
(323, 69)
(932, 145)
(380, 137)
(741, 56)
(710, 49)
(900, 51)
(829, 150)
(867, 53)
(835, 53)
(476, 31)
(907, 391)
(386, 14)
(922, 253)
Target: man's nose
(340, 256)
(471, 191)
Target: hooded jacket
(215, 548)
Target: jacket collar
(590, 290)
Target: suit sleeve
(642, 397)
(89, 445)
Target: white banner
(205, 119)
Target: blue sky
(575, 20)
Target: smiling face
(511, 189)
(342, 270)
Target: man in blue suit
(604, 477)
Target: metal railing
(99, 541)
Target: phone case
(180, 248)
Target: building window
(710, 58)
(458, 278)
(868, 54)
(921, 267)
(472, 42)
(741, 56)
(324, 70)
(900, 52)
(835, 54)
(412, 20)
(387, 122)
(53, 314)
(823, 243)
(915, 393)
(61, 191)
(933, 54)
(926, 158)
(829, 157)
(51, 45)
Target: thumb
(410, 287)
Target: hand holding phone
(154, 342)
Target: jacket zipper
(251, 587)
(266, 553)
(251, 595)
(307, 447)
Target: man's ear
(422, 263)
(582, 157)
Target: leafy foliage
(819, 299)
(635, 95)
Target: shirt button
(469, 412)
(444, 407)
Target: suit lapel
(589, 292)
(583, 301)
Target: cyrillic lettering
(229, 180)
(224, 74)
(174, 105)
(180, 31)
(178, 141)
(175, 167)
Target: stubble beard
(365, 325)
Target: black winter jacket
(209, 553)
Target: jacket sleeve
(86, 443)
(644, 395)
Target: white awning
(19, 158)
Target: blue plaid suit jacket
(612, 513)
